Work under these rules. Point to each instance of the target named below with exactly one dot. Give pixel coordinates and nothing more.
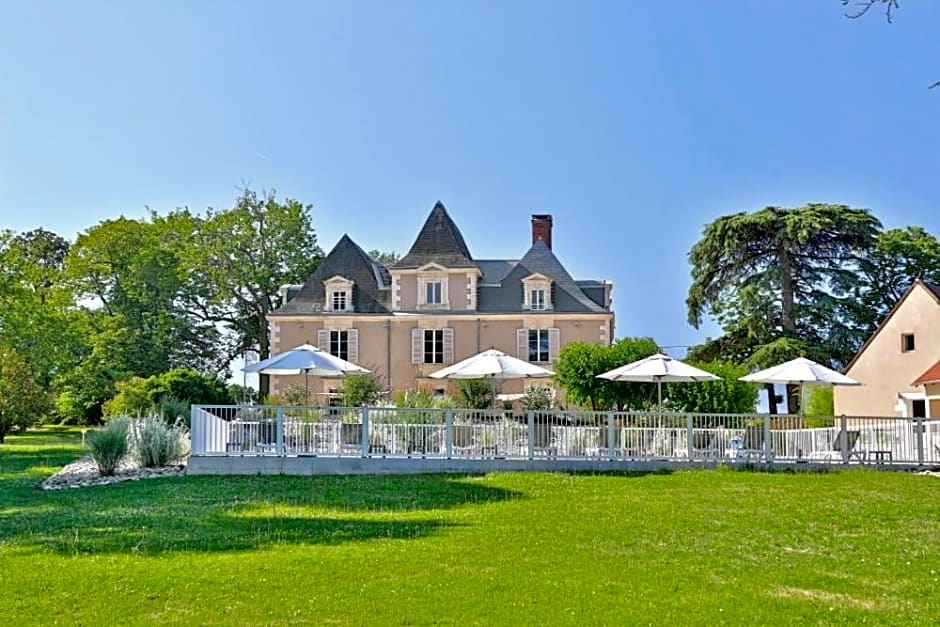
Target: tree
(579, 364)
(22, 400)
(362, 390)
(240, 257)
(576, 370)
(770, 274)
(386, 258)
(727, 396)
(862, 7)
(476, 393)
(886, 271)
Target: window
(339, 344)
(538, 345)
(433, 293)
(433, 346)
(907, 342)
(339, 300)
(919, 409)
(537, 300)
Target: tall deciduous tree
(239, 259)
(770, 274)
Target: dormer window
(432, 287)
(537, 292)
(338, 293)
(537, 299)
(339, 300)
(434, 292)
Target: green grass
(697, 547)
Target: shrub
(476, 393)
(155, 443)
(109, 445)
(295, 394)
(537, 398)
(414, 398)
(172, 409)
(362, 390)
(137, 396)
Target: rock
(84, 472)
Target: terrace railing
(486, 434)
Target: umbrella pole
(306, 387)
(659, 395)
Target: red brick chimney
(542, 228)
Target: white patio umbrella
(306, 360)
(800, 371)
(656, 369)
(492, 364)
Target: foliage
(241, 394)
(295, 394)
(476, 393)
(136, 396)
(536, 398)
(362, 390)
(413, 398)
(819, 401)
(386, 258)
(173, 410)
(579, 364)
(728, 396)
(109, 445)
(778, 273)
(239, 259)
(22, 400)
(156, 443)
(431, 530)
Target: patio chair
(705, 445)
(752, 444)
(464, 443)
(544, 440)
(834, 454)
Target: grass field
(697, 547)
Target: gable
(918, 313)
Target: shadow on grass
(231, 513)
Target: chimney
(542, 228)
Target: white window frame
(436, 338)
(428, 289)
(342, 295)
(537, 283)
(539, 335)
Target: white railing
(484, 434)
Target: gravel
(83, 473)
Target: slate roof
(931, 376)
(566, 295)
(499, 287)
(347, 259)
(439, 241)
(933, 287)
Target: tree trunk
(787, 320)
(771, 398)
(264, 350)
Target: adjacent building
(898, 366)
(438, 305)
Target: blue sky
(634, 123)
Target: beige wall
(457, 291)
(883, 369)
(408, 284)
(471, 335)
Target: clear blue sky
(634, 123)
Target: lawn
(696, 547)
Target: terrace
(314, 440)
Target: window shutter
(417, 346)
(352, 338)
(522, 344)
(448, 346)
(554, 343)
(323, 340)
